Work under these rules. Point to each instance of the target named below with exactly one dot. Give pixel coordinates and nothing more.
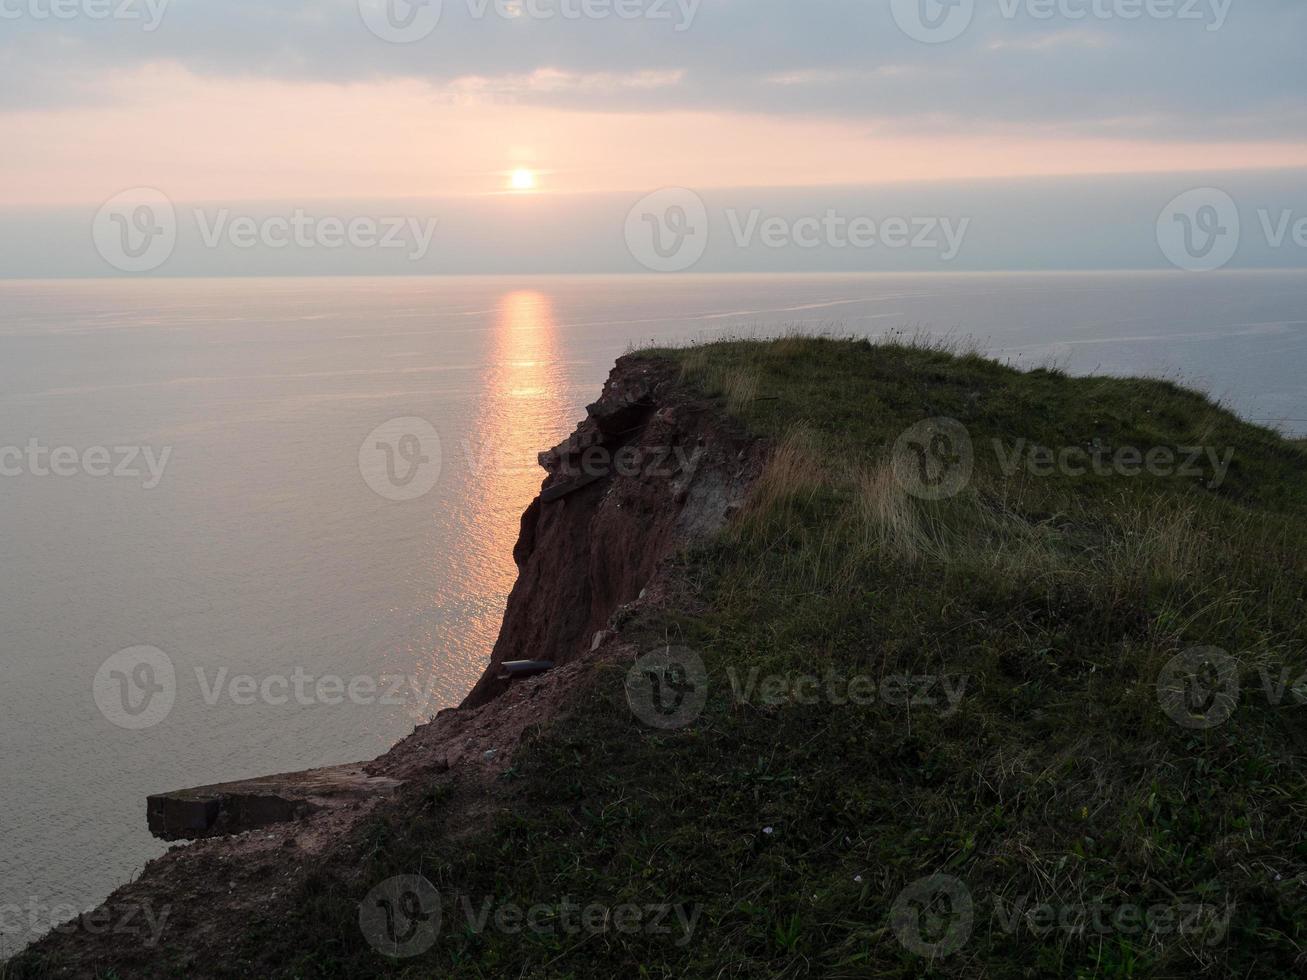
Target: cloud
(1054, 40)
(1176, 76)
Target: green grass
(791, 828)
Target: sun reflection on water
(523, 412)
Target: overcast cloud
(1192, 69)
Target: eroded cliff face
(652, 469)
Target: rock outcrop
(651, 469)
(232, 808)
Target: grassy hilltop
(1025, 803)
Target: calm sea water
(262, 549)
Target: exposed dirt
(651, 469)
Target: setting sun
(523, 180)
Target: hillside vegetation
(1013, 694)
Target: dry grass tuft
(890, 521)
(738, 386)
(795, 471)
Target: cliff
(652, 469)
(961, 671)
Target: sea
(252, 526)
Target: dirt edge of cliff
(652, 469)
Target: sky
(343, 107)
